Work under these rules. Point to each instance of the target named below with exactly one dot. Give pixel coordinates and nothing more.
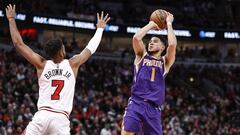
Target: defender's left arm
(77, 60)
(172, 43)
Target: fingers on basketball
(159, 17)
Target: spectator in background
(2, 128)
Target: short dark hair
(52, 47)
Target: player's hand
(10, 12)
(169, 18)
(154, 25)
(102, 21)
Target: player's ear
(62, 51)
(161, 46)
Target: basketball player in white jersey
(56, 78)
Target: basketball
(159, 17)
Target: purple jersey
(148, 82)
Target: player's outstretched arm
(21, 47)
(138, 45)
(93, 44)
(172, 43)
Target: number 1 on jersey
(59, 84)
(153, 74)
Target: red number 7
(59, 84)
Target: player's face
(155, 45)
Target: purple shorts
(141, 117)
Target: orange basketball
(159, 17)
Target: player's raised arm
(21, 47)
(93, 44)
(137, 42)
(172, 43)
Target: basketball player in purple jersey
(143, 113)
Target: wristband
(169, 23)
(95, 41)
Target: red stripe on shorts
(54, 111)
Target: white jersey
(56, 87)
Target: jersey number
(153, 74)
(59, 84)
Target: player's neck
(57, 60)
(156, 54)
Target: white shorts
(48, 123)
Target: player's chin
(151, 50)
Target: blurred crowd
(103, 89)
(200, 99)
(202, 53)
(189, 13)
